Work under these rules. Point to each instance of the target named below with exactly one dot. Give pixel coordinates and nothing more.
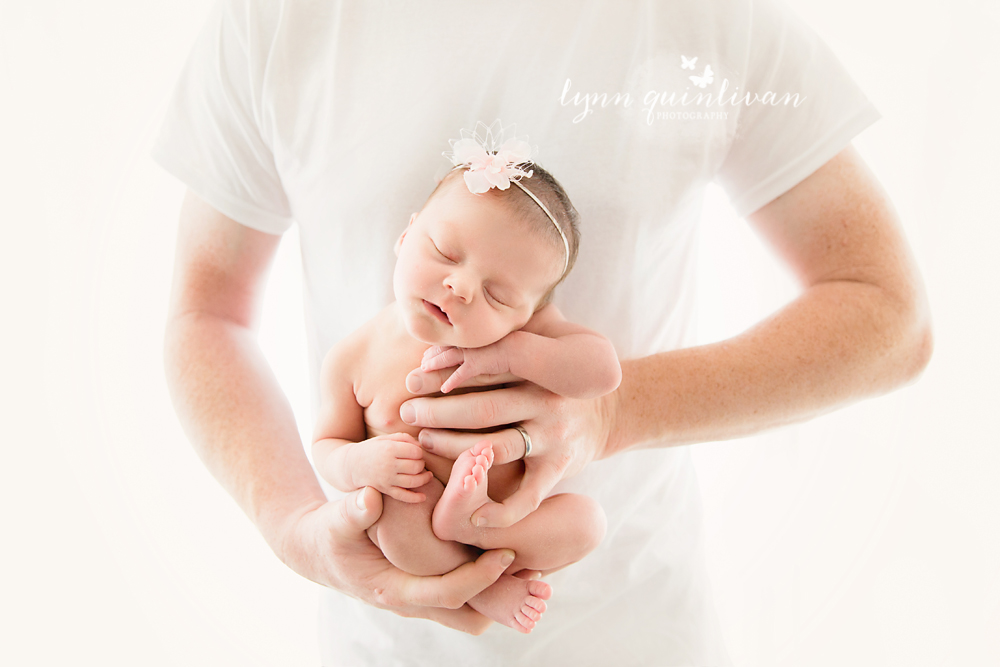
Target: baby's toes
(525, 624)
(530, 612)
(540, 590)
(535, 604)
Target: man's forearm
(239, 421)
(838, 343)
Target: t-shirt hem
(241, 212)
(797, 171)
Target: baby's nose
(460, 285)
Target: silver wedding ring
(527, 440)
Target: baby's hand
(393, 464)
(471, 362)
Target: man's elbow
(185, 337)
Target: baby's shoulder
(345, 359)
(365, 351)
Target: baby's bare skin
(383, 354)
(374, 361)
(471, 281)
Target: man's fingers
(508, 445)
(465, 619)
(529, 575)
(539, 478)
(454, 589)
(427, 382)
(475, 410)
(356, 512)
(420, 382)
(491, 380)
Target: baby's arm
(393, 464)
(563, 357)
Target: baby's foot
(516, 603)
(465, 493)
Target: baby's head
(474, 267)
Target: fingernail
(508, 558)
(360, 500)
(414, 383)
(425, 441)
(481, 522)
(407, 413)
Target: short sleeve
(214, 135)
(777, 145)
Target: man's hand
(491, 360)
(566, 434)
(328, 544)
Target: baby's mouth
(437, 312)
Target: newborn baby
(475, 271)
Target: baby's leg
(563, 529)
(404, 535)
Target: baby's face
(468, 273)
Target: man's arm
(242, 426)
(860, 328)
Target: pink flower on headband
(491, 161)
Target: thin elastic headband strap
(552, 218)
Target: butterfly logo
(705, 78)
(688, 63)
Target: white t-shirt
(333, 115)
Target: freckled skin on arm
(860, 328)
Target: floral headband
(492, 162)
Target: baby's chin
(427, 335)
(418, 330)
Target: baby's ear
(399, 241)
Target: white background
(868, 537)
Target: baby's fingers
(461, 374)
(435, 350)
(446, 359)
(405, 496)
(409, 451)
(414, 481)
(408, 466)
